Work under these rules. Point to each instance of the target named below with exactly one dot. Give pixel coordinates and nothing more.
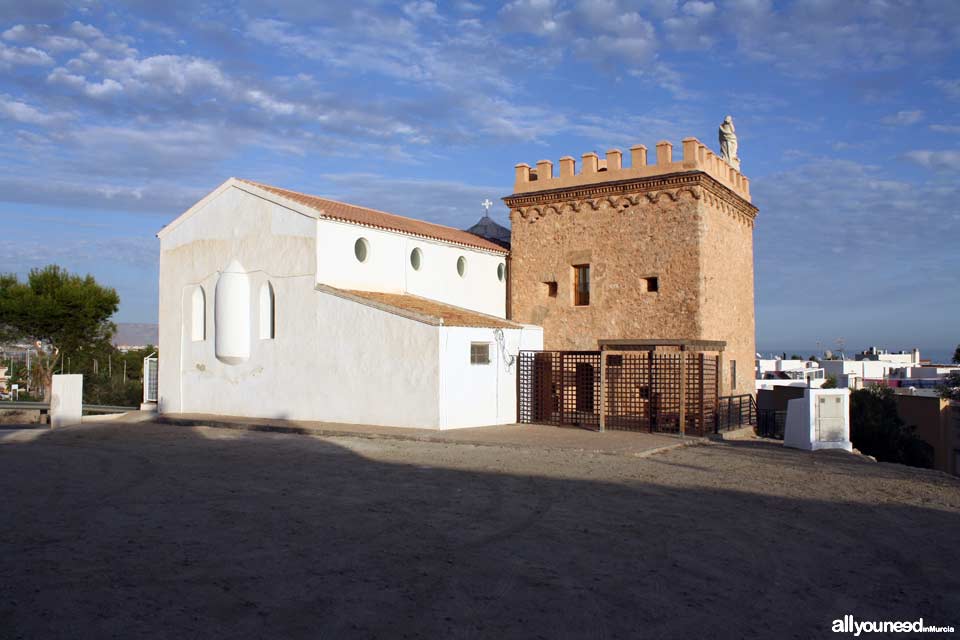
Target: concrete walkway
(620, 443)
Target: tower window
(581, 285)
(551, 289)
(651, 285)
(461, 266)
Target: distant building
(937, 422)
(877, 367)
(789, 373)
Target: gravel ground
(150, 531)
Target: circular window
(415, 257)
(361, 248)
(461, 265)
(501, 270)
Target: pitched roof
(335, 210)
(422, 309)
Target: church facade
(659, 252)
(279, 304)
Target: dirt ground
(151, 531)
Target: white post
(66, 400)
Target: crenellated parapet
(695, 157)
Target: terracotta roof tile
(371, 217)
(450, 315)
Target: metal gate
(652, 391)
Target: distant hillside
(136, 334)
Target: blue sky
(117, 116)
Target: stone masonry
(687, 224)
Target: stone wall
(727, 303)
(687, 230)
(622, 245)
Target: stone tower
(653, 251)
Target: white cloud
(949, 87)
(936, 160)
(27, 56)
(903, 118)
(20, 111)
(945, 128)
(699, 9)
(540, 17)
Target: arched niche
(232, 314)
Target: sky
(116, 117)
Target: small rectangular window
(733, 374)
(479, 353)
(581, 285)
(652, 284)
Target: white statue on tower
(728, 143)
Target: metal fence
(734, 412)
(771, 424)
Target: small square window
(652, 284)
(551, 289)
(581, 285)
(479, 353)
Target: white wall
(473, 395)
(331, 359)
(387, 267)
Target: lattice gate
(560, 387)
(634, 390)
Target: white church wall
(387, 267)
(269, 241)
(331, 359)
(474, 395)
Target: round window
(361, 248)
(415, 257)
(461, 265)
(501, 270)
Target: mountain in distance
(135, 334)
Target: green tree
(57, 311)
(956, 355)
(830, 383)
(877, 430)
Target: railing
(771, 424)
(734, 412)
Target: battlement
(593, 170)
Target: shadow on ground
(114, 530)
